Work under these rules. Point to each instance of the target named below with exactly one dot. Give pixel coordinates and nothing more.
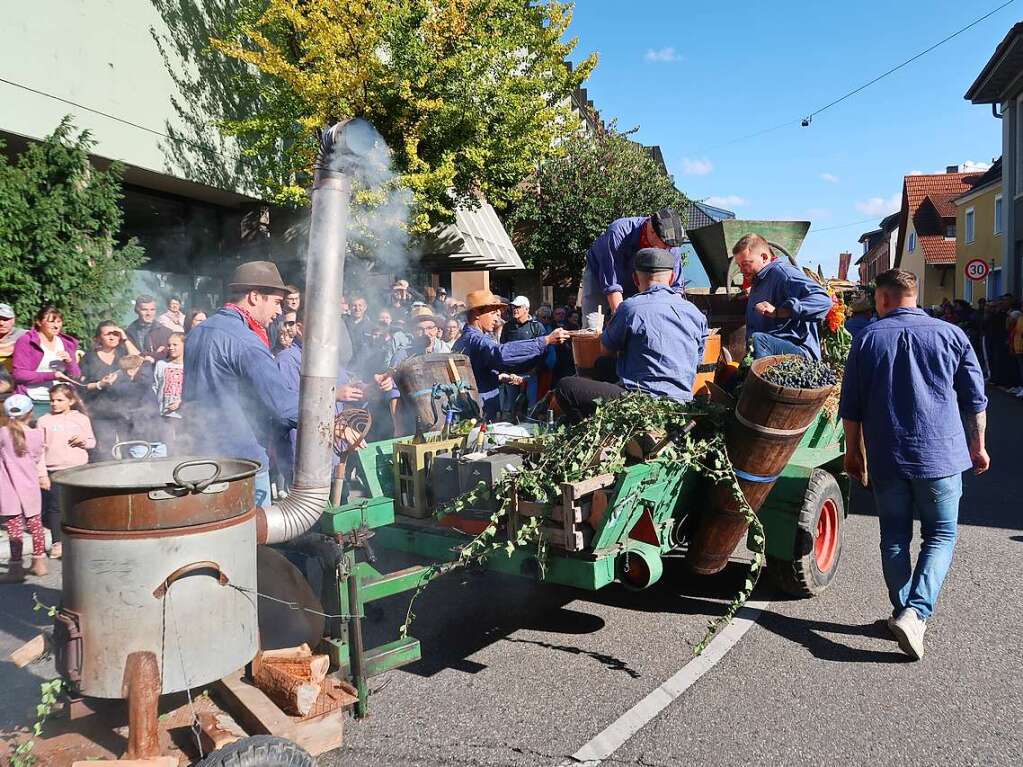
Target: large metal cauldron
(153, 553)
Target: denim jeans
(262, 487)
(766, 345)
(936, 502)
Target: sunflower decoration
(835, 339)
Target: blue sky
(692, 76)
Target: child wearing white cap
(23, 477)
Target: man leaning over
(911, 384)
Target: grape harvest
(799, 373)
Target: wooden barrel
(766, 429)
(418, 376)
(708, 366)
(585, 350)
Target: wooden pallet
(564, 523)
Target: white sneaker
(909, 631)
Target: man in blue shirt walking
(784, 304)
(912, 383)
(658, 336)
(607, 278)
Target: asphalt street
(517, 673)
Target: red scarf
(254, 326)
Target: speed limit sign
(977, 269)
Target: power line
(894, 69)
(841, 226)
(805, 121)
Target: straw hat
(482, 300)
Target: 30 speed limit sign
(977, 269)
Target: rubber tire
(801, 577)
(259, 751)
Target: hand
(349, 393)
(173, 406)
(558, 335)
(108, 379)
(855, 467)
(63, 356)
(981, 460)
(59, 376)
(44, 483)
(76, 441)
(765, 308)
(614, 300)
(384, 381)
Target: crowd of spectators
(79, 398)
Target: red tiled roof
(929, 199)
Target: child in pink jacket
(68, 438)
(22, 476)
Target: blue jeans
(766, 345)
(262, 487)
(937, 503)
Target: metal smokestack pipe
(341, 146)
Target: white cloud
(915, 173)
(662, 55)
(880, 206)
(969, 166)
(831, 178)
(727, 201)
(698, 167)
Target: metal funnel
(713, 244)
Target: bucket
(428, 381)
(766, 429)
(585, 350)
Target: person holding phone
(106, 385)
(44, 355)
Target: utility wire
(840, 226)
(805, 121)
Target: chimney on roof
(951, 168)
(843, 265)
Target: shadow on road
(810, 634)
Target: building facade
(878, 247)
(1000, 84)
(980, 230)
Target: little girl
(22, 475)
(168, 383)
(67, 436)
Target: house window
(968, 291)
(950, 231)
(911, 246)
(971, 228)
(994, 283)
(999, 212)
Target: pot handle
(198, 485)
(116, 449)
(184, 570)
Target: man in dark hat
(658, 336)
(234, 392)
(607, 278)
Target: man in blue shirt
(658, 336)
(234, 392)
(489, 358)
(911, 384)
(607, 278)
(784, 304)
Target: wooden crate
(564, 523)
(412, 464)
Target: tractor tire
(820, 534)
(259, 751)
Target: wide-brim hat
(482, 300)
(259, 275)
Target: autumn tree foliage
(471, 95)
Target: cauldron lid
(153, 474)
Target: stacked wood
(292, 678)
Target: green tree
(59, 219)
(574, 197)
(469, 94)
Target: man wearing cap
(488, 357)
(784, 306)
(520, 327)
(658, 336)
(425, 340)
(9, 333)
(607, 278)
(234, 391)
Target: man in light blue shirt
(911, 385)
(658, 336)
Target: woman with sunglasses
(44, 355)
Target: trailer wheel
(259, 751)
(817, 549)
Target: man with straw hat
(488, 357)
(231, 379)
